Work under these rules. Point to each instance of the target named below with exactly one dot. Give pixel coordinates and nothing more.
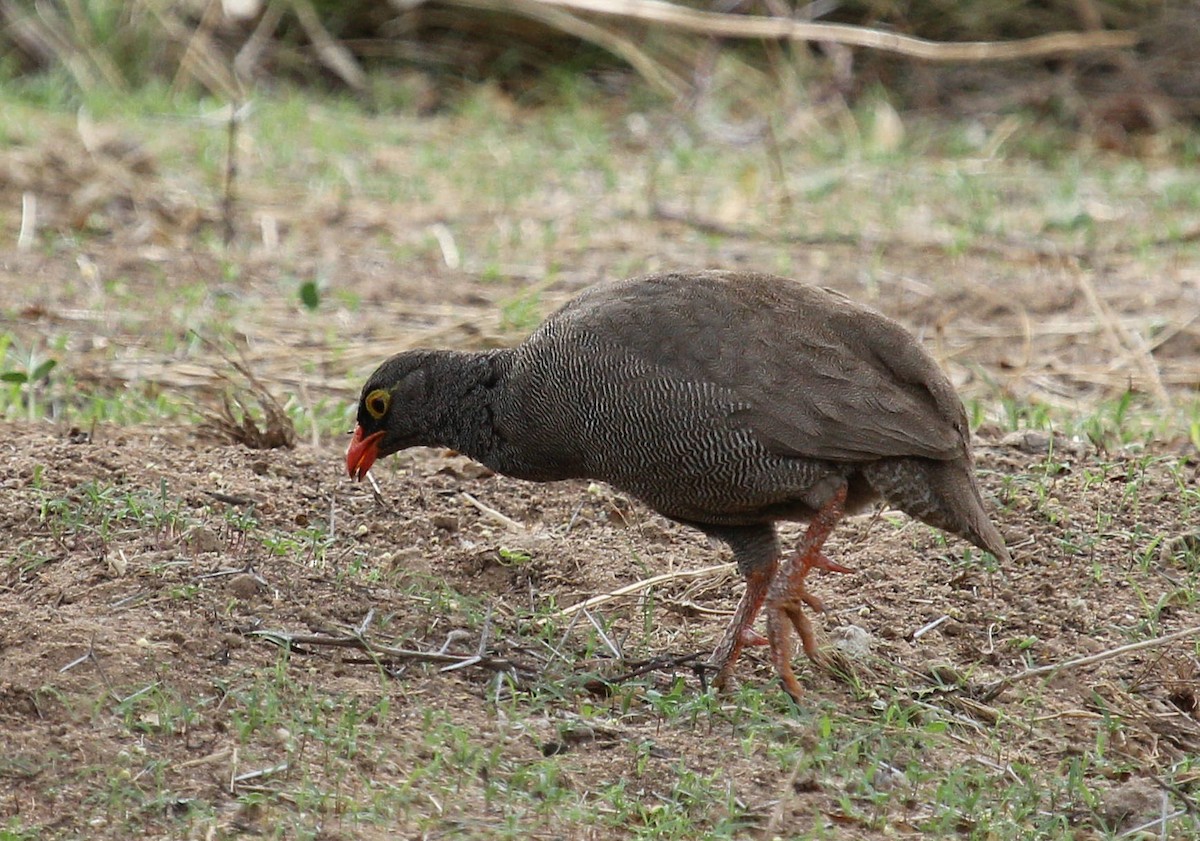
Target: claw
(788, 592)
(740, 632)
(779, 630)
(820, 561)
(753, 637)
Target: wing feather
(817, 375)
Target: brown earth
(149, 574)
(177, 608)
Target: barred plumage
(723, 400)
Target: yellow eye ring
(377, 403)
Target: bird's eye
(377, 403)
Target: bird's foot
(753, 637)
(788, 592)
(820, 561)
(740, 632)
(781, 620)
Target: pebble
(244, 587)
(852, 641)
(445, 522)
(202, 539)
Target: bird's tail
(943, 494)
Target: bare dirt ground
(150, 562)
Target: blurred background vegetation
(414, 54)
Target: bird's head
(395, 411)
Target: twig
(248, 569)
(28, 221)
(228, 193)
(365, 625)
(455, 635)
(449, 248)
(91, 655)
(925, 629)
(787, 793)
(278, 431)
(747, 26)
(377, 492)
(259, 773)
(44, 35)
(333, 55)
(201, 58)
(778, 170)
(480, 651)
(229, 499)
(1161, 820)
(620, 46)
(24, 31)
(1125, 343)
(657, 664)
(493, 514)
(291, 641)
(990, 692)
(646, 583)
(85, 39)
(246, 61)
(1189, 804)
(604, 637)
(216, 756)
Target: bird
(724, 400)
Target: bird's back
(723, 397)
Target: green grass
(538, 194)
(542, 184)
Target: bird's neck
(470, 384)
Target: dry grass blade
(202, 59)
(297, 642)
(620, 46)
(645, 584)
(748, 26)
(246, 63)
(1125, 343)
(239, 425)
(993, 691)
(89, 44)
(336, 58)
(45, 35)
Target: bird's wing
(818, 376)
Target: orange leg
(787, 593)
(740, 633)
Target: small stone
(445, 522)
(852, 641)
(244, 587)
(1028, 441)
(887, 777)
(402, 557)
(118, 565)
(1130, 804)
(475, 470)
(1186, 546)
(201, 539)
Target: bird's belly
(682, 448)
(744, 485)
